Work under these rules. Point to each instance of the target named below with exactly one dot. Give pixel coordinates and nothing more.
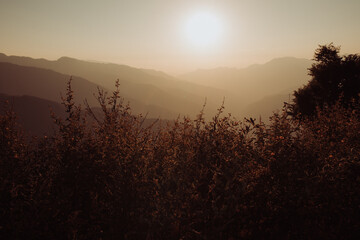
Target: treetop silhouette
(333, 77)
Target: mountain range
(252, 91)
(149, 88)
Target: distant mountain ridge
(158, 93)
(263, 88)
(46, 84)
(145, 86)
(256, 81)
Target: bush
(103, 175)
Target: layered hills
(147, 89)
(254, 91)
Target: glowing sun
(203, 29)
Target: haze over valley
(245, 91)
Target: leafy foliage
(106, 176)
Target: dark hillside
(33, 114)
(46, 84)
(42, 83)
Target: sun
(203, 29)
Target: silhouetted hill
(150, 87)
(33, 114)
(47, 84)
(43, 83)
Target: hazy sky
(155, 33)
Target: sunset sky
(179, 35)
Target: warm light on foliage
(104, 175)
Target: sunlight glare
(203, 29)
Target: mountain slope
(33, 114)
(256, 81)
(42, 83)
(46, 84)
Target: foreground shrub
(103, 175)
